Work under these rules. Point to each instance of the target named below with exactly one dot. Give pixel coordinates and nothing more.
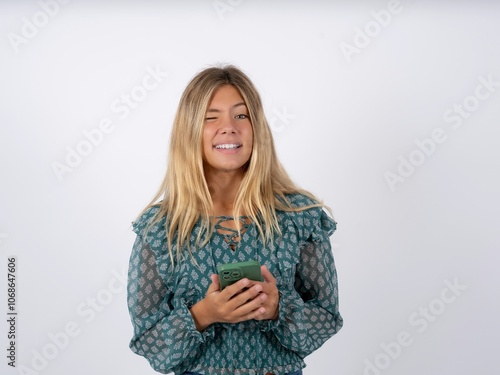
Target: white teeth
(227, 146)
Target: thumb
(214, 286)
(268, 276)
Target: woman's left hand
(271, 303)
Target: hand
(271, 303)
(238, 302)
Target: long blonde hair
(184, 193)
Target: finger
(268, 276)
(215, 285)
(250, 299)
(257, 314)
(251, 308)
(236, 288)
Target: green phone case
(230, 273)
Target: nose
(227, 126)
(227, 130)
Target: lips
(227, 146)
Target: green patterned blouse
(160, 295)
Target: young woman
(226, 198)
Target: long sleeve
(308, 308)
(164, 330)
(160, 294)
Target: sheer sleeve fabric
(309, 307)
(164, 330)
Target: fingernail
(258, 288)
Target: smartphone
(230, 273)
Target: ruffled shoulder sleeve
(308, 305)
(164, 330)
(313, 224)
(152, 233)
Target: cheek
(207, 138)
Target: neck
(223, 187)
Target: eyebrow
(234, 106)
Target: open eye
(241, 117)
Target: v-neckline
(230, 235)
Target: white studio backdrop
(387, 110)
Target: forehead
(226, 95)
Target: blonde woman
(226, 198)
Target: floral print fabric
(160, 295)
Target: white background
(348, 121)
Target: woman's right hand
(236, 303)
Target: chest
(227, 245)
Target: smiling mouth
(227, 146)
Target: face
(227, 134)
